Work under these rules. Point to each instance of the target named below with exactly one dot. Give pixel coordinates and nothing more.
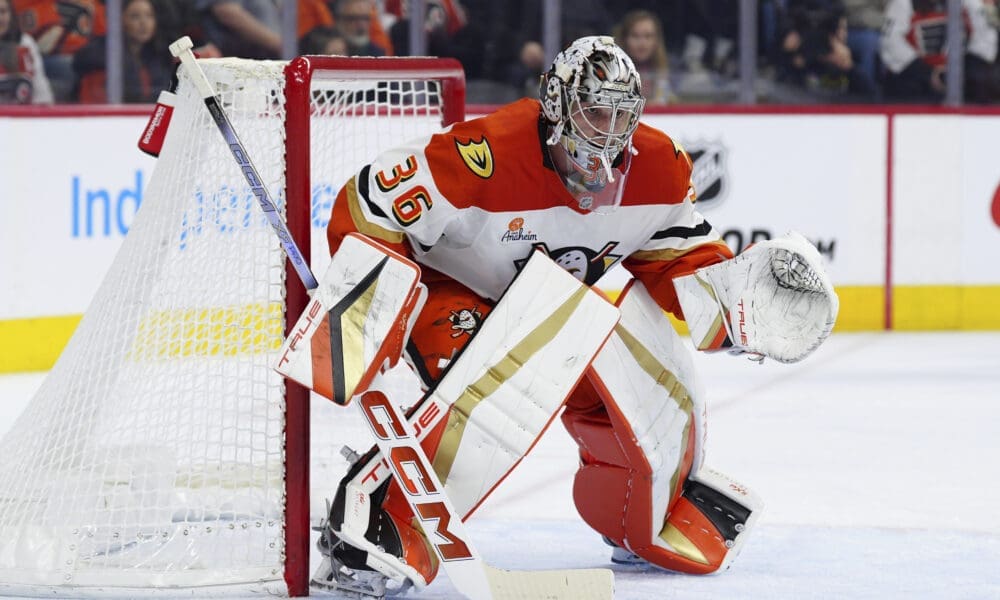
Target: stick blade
(562, 584)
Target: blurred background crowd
(688, 51)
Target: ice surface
(878, 459)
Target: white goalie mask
(592, 102)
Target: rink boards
(904, 206)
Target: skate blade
(332, 576)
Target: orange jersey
(61, 26)
(312, 14)
(473, 202)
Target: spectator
(22, 72)
(312, 14)
(379, 24)
(529, 66)
(640, 35)
(830, 64)
(61, 28)
(448, 33)
(913, 51)
(244, 28)
(353, 20)
(669, 14)
(177, 18)
(712, 27)
(324, 40)
(585, 17)
(864, 30)
(814, 57)
(147, 67)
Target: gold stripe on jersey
(664, 254)
(495, 377)
(668, 254)
(361, 223)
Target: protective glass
(594, 184)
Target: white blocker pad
(356, 322)
(773, 300)
(511, 379)
(646, 375)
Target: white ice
(878, 459)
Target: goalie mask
(592, 103)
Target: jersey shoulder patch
(477, 155)
(481, 160)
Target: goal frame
(298, 76)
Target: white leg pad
(648, 372)
(514, 375)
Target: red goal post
(298, 75)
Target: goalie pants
(614, 488)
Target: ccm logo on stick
(414, 475)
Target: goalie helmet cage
(162, 455)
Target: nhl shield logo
(709, 174)
(478, 156)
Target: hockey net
(162, 452)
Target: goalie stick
(470, 575)
(182, 50)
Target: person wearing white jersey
(576, 177)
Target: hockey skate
(333, 575)
(374, 556)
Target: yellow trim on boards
(937, 307)
(34, 344)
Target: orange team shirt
(63, 26)
(313, 14)
(474, 201)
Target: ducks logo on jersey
(465, 321)
(478, 156)
(583, 263)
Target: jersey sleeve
(684, 242)
(393, 201)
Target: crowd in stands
(809, 51)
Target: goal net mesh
(153, 454)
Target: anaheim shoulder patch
(478, 156)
